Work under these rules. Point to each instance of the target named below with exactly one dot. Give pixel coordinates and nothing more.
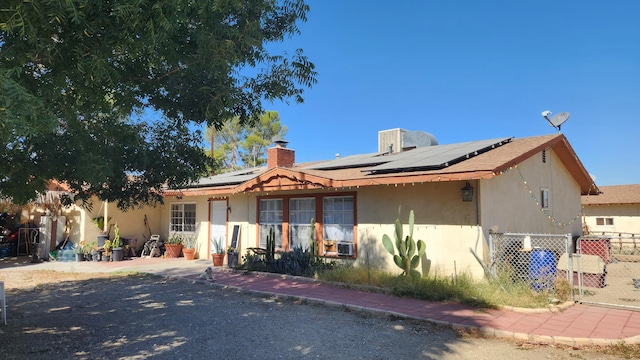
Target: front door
(218, 225)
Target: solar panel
(353, 161)
(436, 157)
(233, 177)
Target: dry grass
(462, 289)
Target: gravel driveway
(150, 317)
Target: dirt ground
(56, 315)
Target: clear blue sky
(472, 70)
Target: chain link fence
(607, 270)
(530, 259)
(601, 270)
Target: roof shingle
(617, 194)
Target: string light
(544, 211)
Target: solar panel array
(422, 158)
(436, 157)
(354, 161)
(230, 178)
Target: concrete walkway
(576, 325)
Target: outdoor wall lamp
(467, 192)
(179, 197)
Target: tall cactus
(271, 246)
(407, 259)
(313, 245)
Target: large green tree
(236, 146)
(76, 75)
(260, 136)
(226, 142)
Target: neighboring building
(616, 211)
(458, 193)
(56, 223)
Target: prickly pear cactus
(409, 251)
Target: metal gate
(607, 270)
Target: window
(271, 218)
(544, 198)
(183, 217)
(604, 221)
(290, 217)
(338, 224)
(301, 211)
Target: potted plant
(173, 246)
(78, 250)
(189, 246)
(99, 222)
(88, 250)
(232, 257)
(106, 255)
(116, 245)
(217, 254)
(97, 251)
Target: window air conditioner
(345, 249)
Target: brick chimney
(280, 156)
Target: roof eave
(568, 157)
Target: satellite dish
(557, 120)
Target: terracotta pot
(172, 250)
(189, 253)
(218, 259)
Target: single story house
(458, 192)
(614, 212)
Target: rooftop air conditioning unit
(400, 139)
(345, 249)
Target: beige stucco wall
(626, 218)
(243, 214)
(510, 201)
(130, 223)
(442, 220)
(202, 222)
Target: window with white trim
(604, 221)
(544, 198)
(183, 217)
(290, 217)
(271, 218)
(338, 223)
(301, 212)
